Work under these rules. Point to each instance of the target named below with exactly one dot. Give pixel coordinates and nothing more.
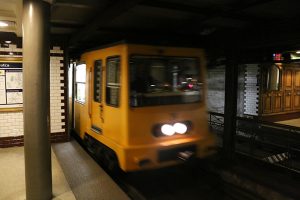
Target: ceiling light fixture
(3, 24)
(7, 41)
(298, 52)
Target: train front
(167, 114)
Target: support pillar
(231, 86)
(36, 96)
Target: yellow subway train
(142, 107)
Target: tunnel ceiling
(89, 23)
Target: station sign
(11, 84)
(10, 65)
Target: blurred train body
(143, 107)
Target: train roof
(138, 42)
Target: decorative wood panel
(287, 100)
(267, 103)
(297, 79)
(297, 102)
(277, 102)
(297, 90)
(288, 89)
(288, 79)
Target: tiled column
(36, 95)
(251, 92)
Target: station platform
(12, 176)
(291, 122)
(75, 175)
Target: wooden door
(296, 94)
(288, 87)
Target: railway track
(181, 182)
(276, 144)
(188, 181)
(206, 179)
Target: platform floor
(75, 175)
(12, 176)
(86, 178)
(291, 122)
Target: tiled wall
(216, 89)
(11, 123)
(57, 92)
(251, 92)
(247, 94)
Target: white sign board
(11, 84)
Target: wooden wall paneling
(296, 90)
(287, 101)
(277, 102)
(288, 86)
(267, 103)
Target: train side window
(80, 80)
(97, 80)
(113, 81)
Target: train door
(79, 105)
(97, 100)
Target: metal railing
(216, 121)
(275, 143)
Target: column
(231, 85)
(36, 60)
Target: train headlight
(180, 128)
(167, 129)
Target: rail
(277, 144)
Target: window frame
(80, 82)
(201, 78)
(106, 80)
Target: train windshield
(164, 81)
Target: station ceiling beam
(115, 10)
(66, 24)
(83, 4)
(212, 11)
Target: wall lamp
(3, 24)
